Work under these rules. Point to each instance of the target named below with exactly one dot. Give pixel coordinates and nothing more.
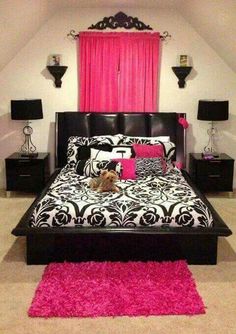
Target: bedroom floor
(216, 285)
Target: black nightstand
(212, 175)
(27, 174)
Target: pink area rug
(98, 289)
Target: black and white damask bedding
(166, 201)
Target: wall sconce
(182, 70)
(56, 70)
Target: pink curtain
(98, 65)
(139, 55)
(118, 71)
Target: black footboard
(42, 249)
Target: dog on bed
(105, 182)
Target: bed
(54, 242)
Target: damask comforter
(146, 202)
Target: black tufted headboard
(72, 123)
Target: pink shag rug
(99, 289)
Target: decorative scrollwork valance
(120, 20)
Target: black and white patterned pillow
(92, 167)
(109, 139)
(76, 142)
(128, 140)
(150, 167)
(169, 149)
(116, 152)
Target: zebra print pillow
(150, 167)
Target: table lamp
(212, 110)
(27, 110)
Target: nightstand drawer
(214, 168)
(24, 167)
(24, 174)
(212, 175)
(25, 182)
(214, 182)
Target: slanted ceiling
(19, 22)
(214, 20)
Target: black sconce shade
(213, 110)
(26, 109)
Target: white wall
(26, 77)
(19, 21)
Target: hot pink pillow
(148, 151)
(128, 168)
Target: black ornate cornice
(120, 20)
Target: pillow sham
(93, 167)
(148, 151)
(110, 139)
(128, 140)
(74, 142)
(128, 171)
(150, 167)
(103, 155)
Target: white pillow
(104, 155)
(125, 151)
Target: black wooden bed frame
(58, 244)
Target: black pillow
(83, 152)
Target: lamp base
(28, 150)
(29, 155)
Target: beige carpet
(216, 284)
